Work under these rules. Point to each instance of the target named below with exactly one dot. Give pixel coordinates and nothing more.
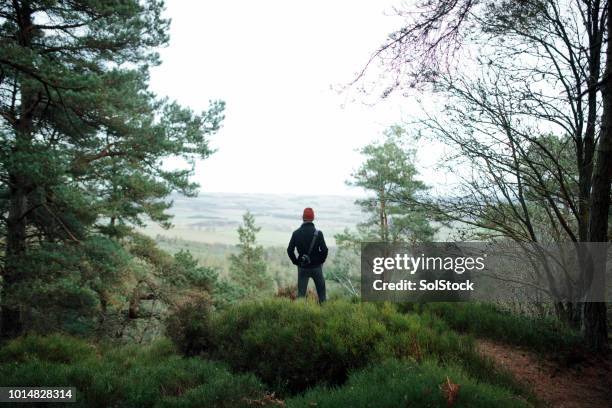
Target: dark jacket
(301, 239)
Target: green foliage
(134, 189)
(55, 348)
(294, 345)
(61, 284)
(227, 293)
(488, 321)
(91, 131)
(181, 269)
(344, 269)
(389, 174)
(404, 383)
(83, 146)
(189, 326)
(368, 352)
(162, 284)
(129, 376)
(248, 266)
(146, 249)
(278, 266)
(193, 274)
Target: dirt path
(583, 385)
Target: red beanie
(308, 214)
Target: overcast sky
(275, 63)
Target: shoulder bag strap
(312, 243)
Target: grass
(127, 376)
(340, 354)
(292, 346)
(488, 321)
(396, 383)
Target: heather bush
(126, 376)
(405, 383)
(294, 345)
(189, 324)
(55, 348)
(489, 321)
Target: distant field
(214, 217)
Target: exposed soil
(573, 383)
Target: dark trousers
(304, 274)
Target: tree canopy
(83, 139)
(521, 80)
(387, 172)
(248, 266)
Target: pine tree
(83, 139)
(388, 175)
(248, 267)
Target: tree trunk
(10, 321)
(16, 224)
(383, 216)
(570, 313)
(595, 324)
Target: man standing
(312, 253)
